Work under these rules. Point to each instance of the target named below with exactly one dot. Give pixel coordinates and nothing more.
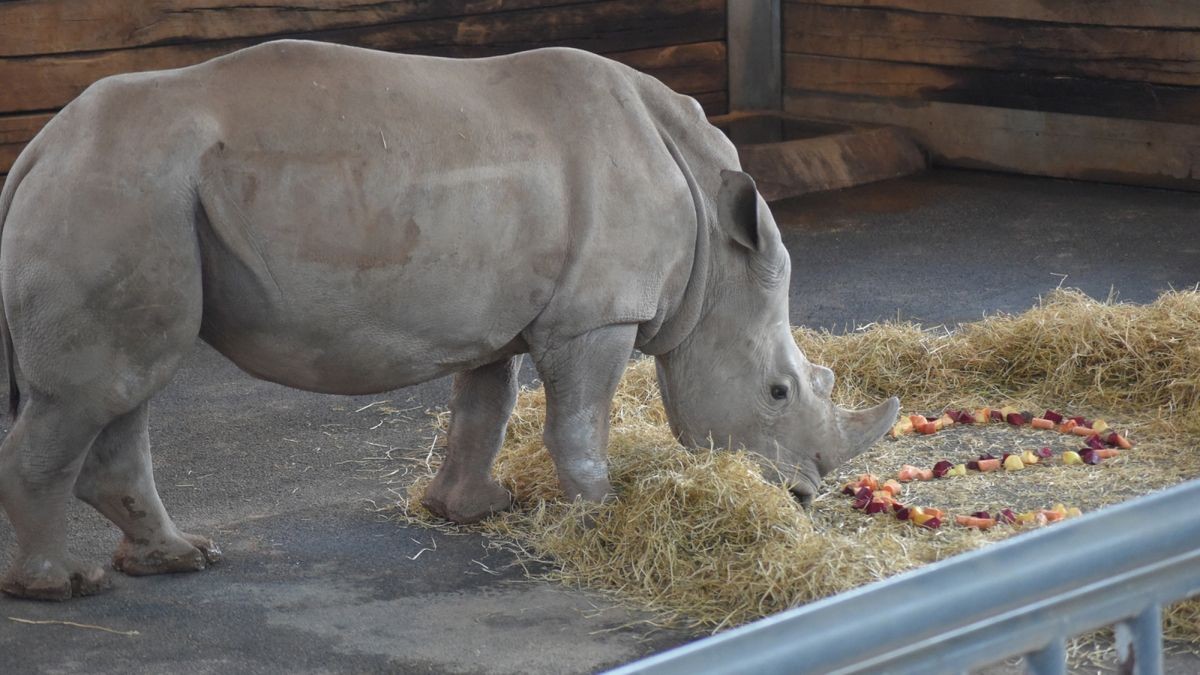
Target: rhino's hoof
(42, 579)
(189, 553)
(465, 505)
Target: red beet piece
(981, 514)
(932, 523)
(1082, 421)
(1089, 456)
(1053, 417)
(902, 514)
(987, 456)
(996, 416)
(1028, 416)
(876, 507)
(941, 468)
(973, 465)
(966, 417)
(1004, 457)
(849, 490)
(1007, 516)
(897, 506)
(863, 493)
(1015, 419)
(1044, 453)
(861, 502)
(1094, 442)
(1111, 440)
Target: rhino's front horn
(861, 428)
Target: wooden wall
(1094, 89)
(50, 50)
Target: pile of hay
(702, 539)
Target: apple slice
(1013, 463)
(942, 468)
(1071, 457)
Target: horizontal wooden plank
(15, 132)
(997, 88)
(1134, 54)
(1155, 154)
(1171, 14)
(48, 82)
(39, 27)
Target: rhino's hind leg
(464, 490)
(39, 460)
(117, 479)
(581, 377)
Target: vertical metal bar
(1139, 643)
(1049, 660)
(753, 43)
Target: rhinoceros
(349, 221)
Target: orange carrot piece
(925, 474)
(929, 428)
(1108, 453)
(868, 481)
(890, 485)
(986, 465)
(917, 420)
(1082, 431)
(972, 521)
(907, 473)
(936, 513)
(1123, 443)
(1068, 426)
(1041, 423)
(1052, 516)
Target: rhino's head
(738, 378)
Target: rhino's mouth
(803, 489)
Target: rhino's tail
(19, 169)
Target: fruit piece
(1053, 515)
(1044, 453)
(1082, 431)
(890, 485)
(928, 428)
(918, 516)
(986, 465)
(1094, 442)
(936, 513)
(868, 480)
(973, 465)
(904, 514)
(1108, 453)
(925, 474)
(932, 524)
(861, 502)
(975, 521)
(849, 488)
(877, 506)
(904, 426)
(1072, 457)
(957, 470)
(1029, 457)
(864, 493)
(1099, 425)
(942, 468)
(983, 415)
(1067, 426)
(1041, 423)
(917, 420)
(1013, 463)
(1074, 512)
(1015, 419)
(907, 472)
(1081, 421)
(981, 514)
(965, 417)
(1006, 516)
(1089, 456)
(897, 506)
(996, 415)
(1053, 417)
(1118, 440)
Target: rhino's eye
(779, 392)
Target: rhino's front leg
(482, 399)
(580, 377)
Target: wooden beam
(1170, 14)
(41, 27)
(49, 82)
(755, 69)
(1156, 154)
(1133, 54)
(997, 88)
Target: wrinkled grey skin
(349, 221)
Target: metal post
(1049, 660)
(753, 39)
(1139, 643)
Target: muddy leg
(39, 461)
(464, 490)
(118, 480)
(581, 377)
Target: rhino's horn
(861, 428)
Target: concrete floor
(315, 582)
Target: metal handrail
(1023, 596)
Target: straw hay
(702, 539)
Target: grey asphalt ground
(315, 582)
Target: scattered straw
(700, 538)
(72, 624)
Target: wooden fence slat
(1156, 154)
(41, 27)
(1172, 14)
(1134, 54)
(48, 82)
(997, 88)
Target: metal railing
(1023, 596)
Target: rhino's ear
(737, 209)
